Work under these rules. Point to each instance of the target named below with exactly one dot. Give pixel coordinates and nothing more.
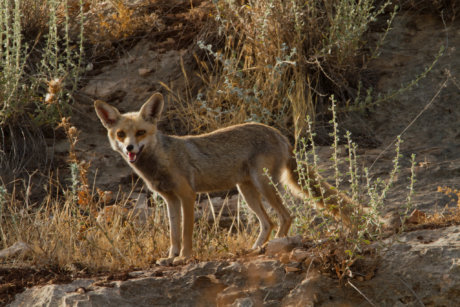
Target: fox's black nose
(129, 147)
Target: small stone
(284, 258)
(291, 269)
(136, 274)
(243, 302)
(17, 249)
(279, 245)
(299, 255)
(416, 217)
(143, 72)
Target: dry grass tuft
(447, 215)
(63, 233)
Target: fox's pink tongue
(131, 156)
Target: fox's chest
(155, 174)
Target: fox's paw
(166, 261)
(180, 260)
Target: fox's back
(225, 157)
(254, 134)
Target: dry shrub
(441, 217)
(117, 21)
(124, 22)
(34, 18)
(449, 215)
(277, 61)
(114, 26)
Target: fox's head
(130, 133)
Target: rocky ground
(417, 268)
(421, 268)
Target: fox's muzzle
(132, 156)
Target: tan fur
(180, 167)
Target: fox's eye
(121, 134)
(140, 132)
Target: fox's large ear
(151, 110)
(108, 115)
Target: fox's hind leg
(187, 197)
(265, 185)
(271, 196)
(252, 197)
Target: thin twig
(412, 291)
(413, 121)
(363, 295)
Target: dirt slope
(426, 116)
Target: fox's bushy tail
(312, 185)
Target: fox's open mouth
(132, 156)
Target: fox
(252, 157)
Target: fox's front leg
(187, 200)
(188, 219)
(174, 214)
